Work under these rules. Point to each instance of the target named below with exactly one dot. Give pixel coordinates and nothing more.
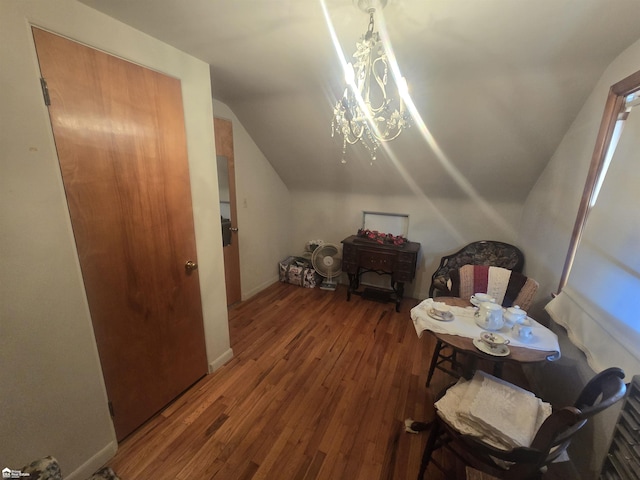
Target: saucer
(499, 351)
(447, 317)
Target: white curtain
(600, 306)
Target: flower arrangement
(382, 238)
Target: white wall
(264, 210)
(549, 215)
(53, 399)
(440, 225)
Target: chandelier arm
(382, 83)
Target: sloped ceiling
(496, 82)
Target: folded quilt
(500, 413)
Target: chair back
(483, 252)
(506, 286)
(551, 440)
(602, 391)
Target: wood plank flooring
(318, 388)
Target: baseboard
(221, 360)
(96, 462)
(259, 288)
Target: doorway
(228, 208)
(120, 137)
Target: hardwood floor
(318, 388)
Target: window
(597, 303)
(622, 97)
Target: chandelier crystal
(365, 113)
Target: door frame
(223, 129)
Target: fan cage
(325, 268)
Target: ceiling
(496, 83)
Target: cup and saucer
(523, 331)
(493, 344)
(441, 311)
(477, 298)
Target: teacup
(523, 331)
(513, 315)
(492, 339)
(478, 298)
(441, 309)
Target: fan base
(331, 286)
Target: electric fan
(326, 262)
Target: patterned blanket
(507, 287)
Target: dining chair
(549, 443)
(508, 287)
(483, 252)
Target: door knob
(190, 266)
(234, 229)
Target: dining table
(461, 332)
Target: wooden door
(224, 149)
(120, 136)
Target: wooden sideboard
(360, 255)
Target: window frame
(614, 106)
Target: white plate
(499, 351)
(447, 317)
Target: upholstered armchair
(484, 252)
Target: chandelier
(365, 113)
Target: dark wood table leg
(469, 367)
(399, 294)
(353, 284)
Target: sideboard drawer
(406, 259)
(377, 261)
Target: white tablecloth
(464, 325)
